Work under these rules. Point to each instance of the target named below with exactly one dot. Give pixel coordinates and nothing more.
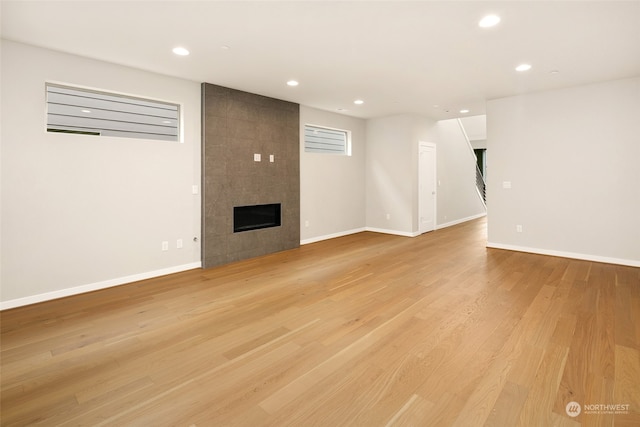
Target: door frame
(431, 145)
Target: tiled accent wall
(235, 126)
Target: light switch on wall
(272, 158)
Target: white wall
(83, 212)
(458, 199)
(392, 173)
(475, 127)
(572, 157)
(479, 143)
(332, 187)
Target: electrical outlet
(257, 157)
(388, 216)
(165, 246)
(519, 228)
(306, 223)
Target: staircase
(481, 185)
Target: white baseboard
(332, 236)
(563, 254)
(460, 221)
(354, 231)
(394, 232)
(387, 231)
(47, 296)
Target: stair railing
(481, 185)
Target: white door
(427, 187)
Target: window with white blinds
(326, 140)
(88, 112)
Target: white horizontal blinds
(74, 110)
(323, 140)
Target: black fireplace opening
(247, 218)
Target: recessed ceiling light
(86, 111)
(464, 111)
(292, 83)
(523, 67)
(358, 102)
(180, 51)
(489, 21)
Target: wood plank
(411, 413)
(366, 329)
(627, 380)
(538, 407)
(506, 409)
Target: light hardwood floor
(364, 330)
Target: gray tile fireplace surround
(235, 126)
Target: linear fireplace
(247, 218)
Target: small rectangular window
(326, 140)
(89, 112)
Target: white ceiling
(399, 57)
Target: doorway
(481, 161)
(426, 187)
